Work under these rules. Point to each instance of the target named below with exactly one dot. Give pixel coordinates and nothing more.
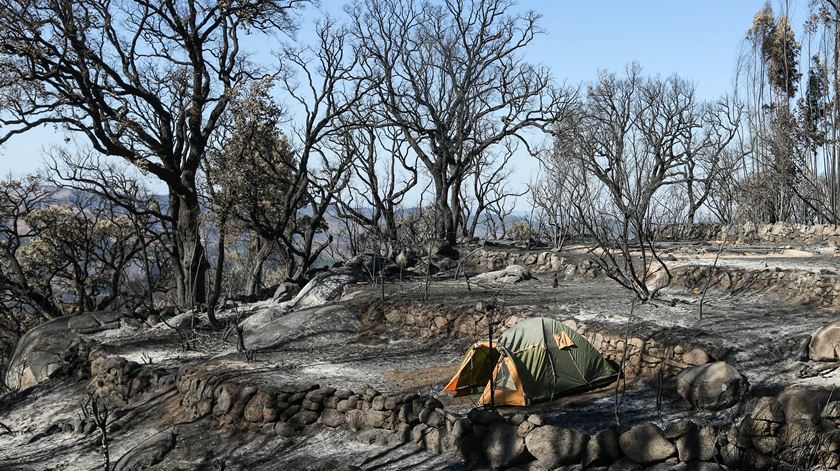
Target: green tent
(536, 360)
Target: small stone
(517, 419)
(311, 405)
(418, 432)
(355, 419)
(525, 428)
(678, 429)
(332, 418)
(285, 429)
(304, 417)
(378, 403)
(535, 419)
(289, 412)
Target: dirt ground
(759, 333)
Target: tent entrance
(481, 363)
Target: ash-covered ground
(333, 345)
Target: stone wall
(645, 357)
(799, 426)
(815, 287)
(780, 232)
(289, 409)
(120, 381)
(479, 437)
(538, 262)
(821, 288)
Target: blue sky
(699, 40)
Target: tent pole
(550, 361)
(492, 366)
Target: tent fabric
(536, 360)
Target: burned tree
(20, 287)
(328, 85)
(631, 137)
(142, 81)
(486, 195)
(385, 171)
(452, 77)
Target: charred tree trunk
(192, 269)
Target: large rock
(713, 386)
(825, 343)
(511, 274)
(803, 403)
(503, 447)
(440, 247)
(553, 446)
(440, 263)
(285, 291)
(646, 444)
(372, 265)
(300, 327)
(93, 322)
(148, 453)
(38, 354)
(323, 288)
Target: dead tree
(99, 413)
(631, 136)
(19, 286)
(291, 179)
(86, 172)
(452, 77)
(385, 171)
(486, 190)
(145, 82)
(552, 197)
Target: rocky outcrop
(275, 329)
(509, 275)
(94, 322)
(713, 386)
(38, 353)
(148, 453)
(323, 288)
(825, 343)
(285, 292)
